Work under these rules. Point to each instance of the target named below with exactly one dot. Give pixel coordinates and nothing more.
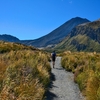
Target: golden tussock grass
(24, 75)
(86, 69)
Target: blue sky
(31, 19)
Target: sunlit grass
(24, 74)
(86, 69)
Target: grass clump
(7, 47)
(24, 75)
(86, 69)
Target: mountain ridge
(9, 38)
(56, 35)
(82, 38)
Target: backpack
(53, 55)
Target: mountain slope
(9, 38)
(84, 37)
(56, 35)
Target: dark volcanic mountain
(84, 37)
(9, 38)
(56, 35)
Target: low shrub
(86, 69)
(24, 75)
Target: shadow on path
(62, 85)
(50, 95)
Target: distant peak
(79, 18)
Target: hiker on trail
(53, 56)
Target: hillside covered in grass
(86, 69)
(24, 72)
(8, 46)
(84, 37)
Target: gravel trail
(63, 86)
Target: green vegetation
(86, 69)
(84, 37)
(8, 46)
(78, 43)
(24, 72)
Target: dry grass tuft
(24, 75)
(86, 69)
